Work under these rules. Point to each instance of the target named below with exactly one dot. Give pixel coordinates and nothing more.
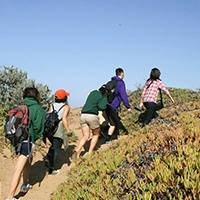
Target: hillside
(160, 161)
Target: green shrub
(12, 83)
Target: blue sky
(77, 44)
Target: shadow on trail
(39, 171)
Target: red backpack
(16, 126)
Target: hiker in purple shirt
(121, 93)
(112, 111)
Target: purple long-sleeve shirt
(121, 94)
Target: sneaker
(109, 139)
(25, 188)
(54, 172)
(109, 142)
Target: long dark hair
(31, 92)
(154, 75)
(103, 90)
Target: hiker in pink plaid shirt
(149, 96)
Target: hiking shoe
(25, 188)
(109, 139)
(109, 142)
(54, 172)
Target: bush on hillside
(12, 83)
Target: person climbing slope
(152, 88)
(89, 120)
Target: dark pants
(114, 120)
(52, 156)
(151, 113)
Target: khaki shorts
(90, 120)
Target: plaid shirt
(151, 90)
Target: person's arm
(164, 88)
(65, 118)
(123, 94)
(102, 104)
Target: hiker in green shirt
(96, 101)
(31, 98)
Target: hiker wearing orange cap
(61, 94)
(59, 112)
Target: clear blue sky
(77, 44)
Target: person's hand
(129, 110)
(141, 105)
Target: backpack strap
(61, 108)
(161, 96)
(149, 85)
(53, 107)
(160, 91)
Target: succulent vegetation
(160, 161)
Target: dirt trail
(43, 184)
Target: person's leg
(111, 116)
(151, 109)
(158, 107)
(26, 150)
(26, 171)
(21, 162)
(50, 157)
(57, 144)
(111, 130)
(84, 139)
(53, 153)
(120, 124)
(115, 121)
(94, 140)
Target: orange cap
(61, 94)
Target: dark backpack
(51, 123)
(16, 125)
(111, 87)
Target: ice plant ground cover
(160, 161)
